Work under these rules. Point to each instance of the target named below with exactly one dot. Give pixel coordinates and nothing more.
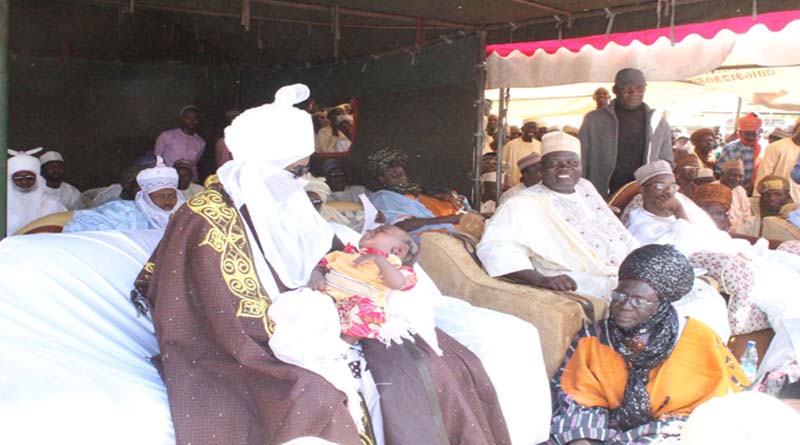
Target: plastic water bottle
(749, 361)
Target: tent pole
(736, 118)
(3, 115)
(501, 138)
(480, 135)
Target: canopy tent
(745, 42)
(700, 64)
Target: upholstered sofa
(451, 263)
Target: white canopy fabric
(768, 40)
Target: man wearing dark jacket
(619, 138)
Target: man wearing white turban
(27, 199)
(156, 200)
(223, 286)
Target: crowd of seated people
(681, 267)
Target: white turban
(276, 132)
(318, 186)
(263, 141)
(51, 156)
(24, 206)
(158, 177)
(23, 161)
(153, 179)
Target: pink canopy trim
(775, 21)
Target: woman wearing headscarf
(636, 376)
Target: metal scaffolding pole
(480, 136)
(502, 106)
(3, 114)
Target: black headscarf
(382, 159)
(671, 276)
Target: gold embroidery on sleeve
(227, 237)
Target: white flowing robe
(24, 207)
(556, 233)
(67, 195)
(776, 273)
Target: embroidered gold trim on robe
(228, 238)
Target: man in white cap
(516, 149)
(182, 142)
(26, 196)
(619, 138)
(157, 199)
(53, 171)
(251, 244)
(559, 234)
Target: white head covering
(158, 177)
(263, 141)
(24, 206)
(705, 173)
(560, 141)
(23, 161)
(153, 179)
(318, 186)
(51, 156)
(651, 170)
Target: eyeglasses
(24, 177)
(636, 302)
(316, 202)
(660, 187)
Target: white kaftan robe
(556, 233)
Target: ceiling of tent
(301, 32)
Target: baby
(362, 280)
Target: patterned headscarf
(713, 193)
(380, 160)
(662, 267)
(671, 276)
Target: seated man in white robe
(155, 202)
(53, 171)
(27, 199)
(559, 234)
(668, 217)
(757, 279)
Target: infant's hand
(365, 258)
(317, 280)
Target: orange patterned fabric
(436, 206)
(699, 368)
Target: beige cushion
(556, 315)
(47, 224)
(345, 206)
